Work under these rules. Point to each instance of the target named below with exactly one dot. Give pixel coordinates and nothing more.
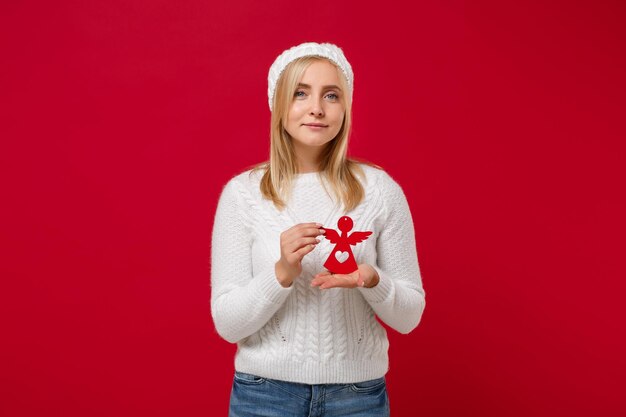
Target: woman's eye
(332, 96)
(299, 94)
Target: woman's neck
(305, 169)
(308, 160)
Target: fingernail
(319, 224)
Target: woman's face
(316, 112)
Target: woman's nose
(316, 108)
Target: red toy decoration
(341, 259)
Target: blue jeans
(252, 395)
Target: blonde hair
(336, 168)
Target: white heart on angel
(341, 256)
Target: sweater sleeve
(398, 299)
(242, 300)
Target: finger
(319, 281)
(311, 231)
(300, 243)
(350, 280)
(323, 273)
(320, 278)
(307, 226)
(359, 280)
(305, 241)
(333, 281)
(338, 281)
(298, 232)
(300, 253)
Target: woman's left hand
(364, 276)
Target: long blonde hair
(336, 168)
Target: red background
(503, 122)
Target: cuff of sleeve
(382, 291)
(271, 289)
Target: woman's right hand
(295, 243)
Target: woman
(308, 342)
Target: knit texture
(302, 333)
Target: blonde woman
(308, 342)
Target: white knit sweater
(302, 333)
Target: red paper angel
(341, 259)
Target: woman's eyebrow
(325, 87)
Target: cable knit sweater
(302, 333)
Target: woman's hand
(295, 243)
(364, 276)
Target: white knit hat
(325, 50)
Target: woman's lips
(315, 126)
